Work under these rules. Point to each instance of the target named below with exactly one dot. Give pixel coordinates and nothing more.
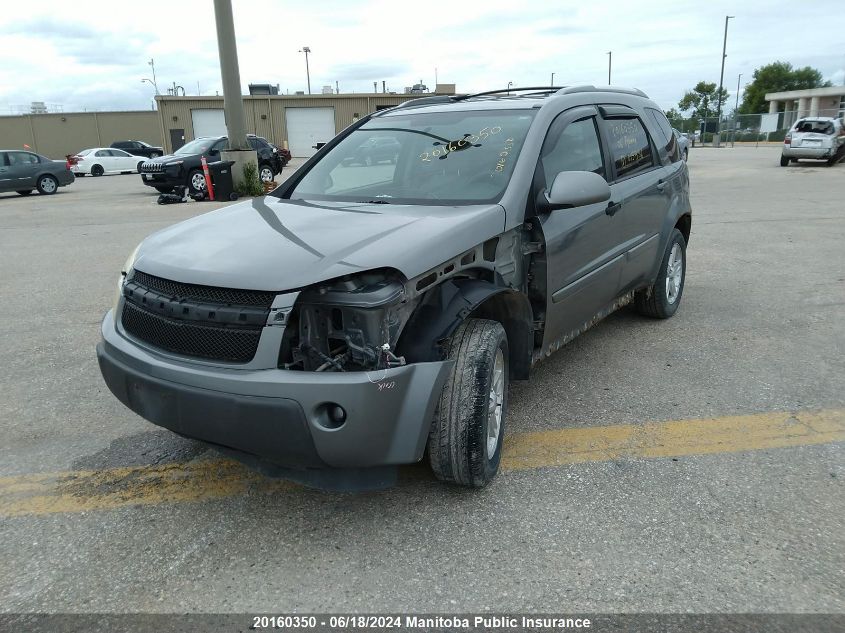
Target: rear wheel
(47, 184)
(196, 181)
(97, 170)
(465, 442)
(139, 166)
(784, 161)
(662, 299)
(25, 192)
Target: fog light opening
(331, 415)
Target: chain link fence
(744, 128)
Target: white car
(105, 160)
(819, 138)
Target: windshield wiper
(373, 202)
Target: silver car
(819, 138)
(683, 143)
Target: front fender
(446, 306)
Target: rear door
(104, 159)
(5, 177)
(582, 245)
(639, 184)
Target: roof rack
(421, 101)
(591, 88)
(538, 90)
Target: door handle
(661, 185)
(613, 208)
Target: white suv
(820, 138)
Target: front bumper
(809, 152)
(162, 179)
(276, 415)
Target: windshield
(435, 158)
(199, 146)
(143, 144)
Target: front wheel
(47, 185)
(662, 299)
(265, 173)
(139, 166)
(196, 181)
(784, 161)
(465, 442)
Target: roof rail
(420, 101)
(590, 88)
(538, 90)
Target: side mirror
(576, 189)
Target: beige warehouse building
(295, 121)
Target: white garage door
(208, 123)
(307, 127)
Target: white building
(824, 102)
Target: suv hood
(273, 244)
(170, 157)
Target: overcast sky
(93, 54)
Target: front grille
(150, 168)
(228, 296)
(202, 321)
(236, 345)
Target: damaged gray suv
(365, 316)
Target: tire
(25, 192)
(139, 166)
(784, 161)
(265, 173)
(47, 185)
(196, 181)
(658, 301)
(164, 189)
(97, 170)
(463, 448)
(154, 155)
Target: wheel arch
(449, 304)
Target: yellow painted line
(81, 491)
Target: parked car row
(184, 166)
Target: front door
(21, 170)
(583, 250)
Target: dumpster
(221, 180)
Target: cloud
(369, 71)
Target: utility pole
(553, 80)
(716, 137)
(153, 64)
(736, 110)
(337, 87)
(306, 50)
(233, 104)
(609, 64)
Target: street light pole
(230, 74)
(510, 83)
(553, 80)
(736, 111)
(307, 50)
(716, 137)
(609, 62)
(153, 64)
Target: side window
(219, 145)
(666, 135)
(119, 152)
(102, 153)
(22, 158)
(576, 149)
(630, 148)
(4, 159)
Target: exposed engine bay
(348, 324)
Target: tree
(673, 115)
(702, 100)
(777, 77)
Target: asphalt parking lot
(691, 465)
